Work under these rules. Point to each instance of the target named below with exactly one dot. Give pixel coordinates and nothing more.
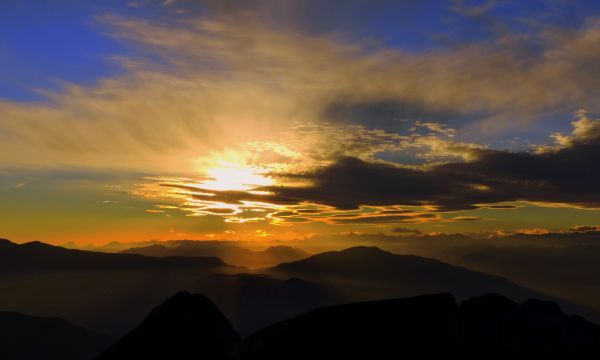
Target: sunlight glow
(232, 176)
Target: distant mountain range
(84, 286)
(230, 253)
(30, 337)
(190, 326)
(571, 272)
(110, 293)
(38, 256)
(252, 302)
(369, 273)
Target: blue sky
(43, 44)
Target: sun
(230, 176)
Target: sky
(260, 120)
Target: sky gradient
(258, 121)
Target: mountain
(36, 256)
(369, 273)
(425, 327)
(230, 253)
(86, 287)
(184, 327)
(30, 337)
(568, 272)
(428, 327)
(252, 302)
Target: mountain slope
(184, 327)
(84, 286)
(369, 273)
(568, 272)
(35, 255)
(424, 327)
(230, 253)
(252, 302)
(428, 327)
(30, 337)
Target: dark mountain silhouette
(568, 272)
(104, 292)
(252, 302)
(423, 327)
(369, 273)
(429, 326)
(386, 329)
(111, 293)
(30, 337)
(37, 255)
(186, 326)
(230, 253)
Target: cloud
(434, 127)
(466, 218)
(585, 130)
(352, 190)
(198, 85)
(585, 229)
(533, 231)
(329, 119)
(413, 218)
(562, 176)
(401, 230)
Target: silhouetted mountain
(36, 255)
(428, 327)
(29, 337)
(535, 329)
(386, 329)
(185, 326)
(230, 253)
(570, 272)
(104, 292)
(423, 327)
(252, 302)
(369, 273)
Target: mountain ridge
(426, 326)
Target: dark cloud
(566, 175)
(585, 229)
(284, 214)
(388, 219)
(401, 230)
(500, 206)
(309, 211)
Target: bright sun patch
(232, 176)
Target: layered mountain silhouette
(110, 293)
(429, 326)
(252, 302)
(367, 273)
(37, 255)
(184, 327)
(570, 272)
(104, 292)
(230, 253)
(30, 337)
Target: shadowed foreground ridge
(32, 337)
(428, 326)
(185, 326)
